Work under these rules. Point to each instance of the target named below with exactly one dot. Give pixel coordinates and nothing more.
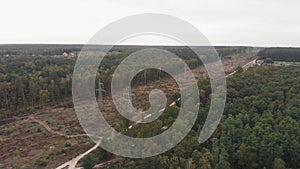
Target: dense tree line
(281, 54)
(259, 129)
(51, 50)
(35, 49)
(32, 82)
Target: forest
(259, 129)
(30, 82)
(32, 76)
(280, 54)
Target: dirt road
(72, 163)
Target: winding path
(72, 163)
(46, 126)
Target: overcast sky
(223, 22)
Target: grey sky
(223, 22)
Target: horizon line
(80, 43)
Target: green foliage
(239, 70)
(68, 144)
(88, 162)
(279, 164)
(269, 60)
(281, 54)
(260, 126)
(33, 82)
(97, 156)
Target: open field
(27, 144)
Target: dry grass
(27, 144)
